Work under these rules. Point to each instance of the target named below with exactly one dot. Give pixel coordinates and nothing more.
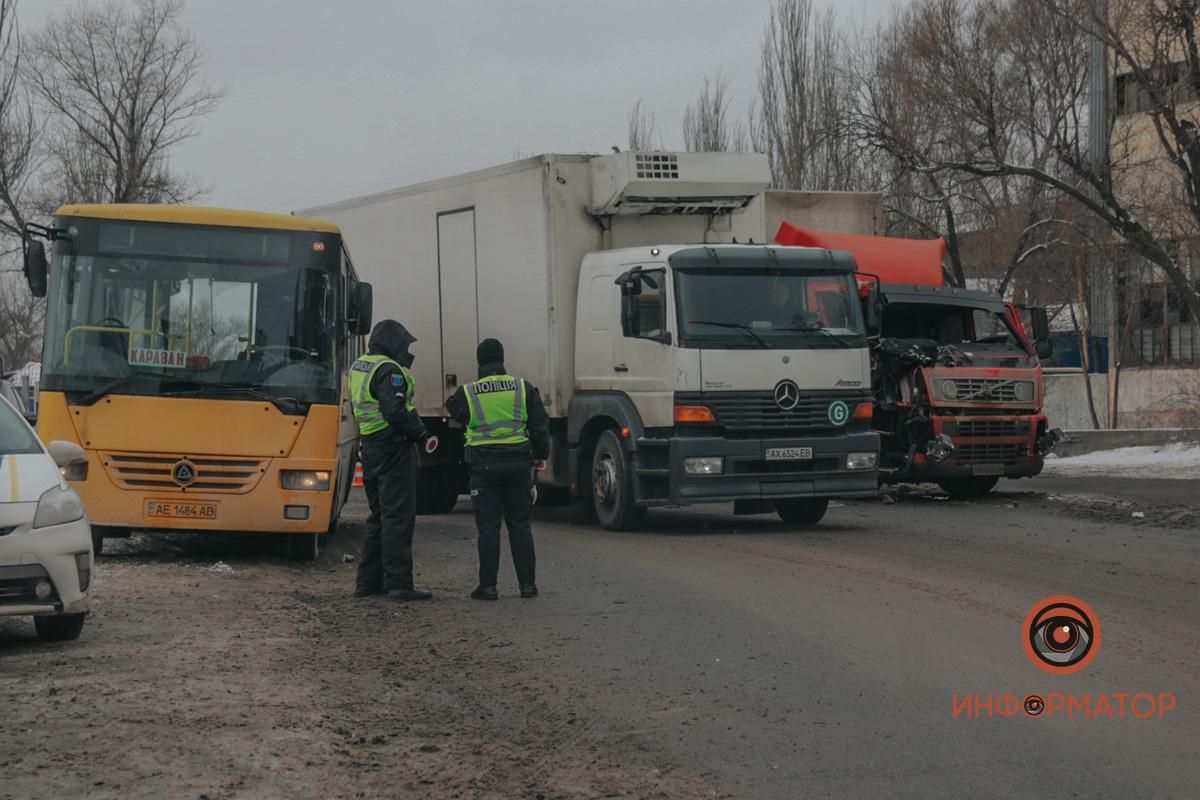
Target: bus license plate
(788, 453)
(987, 469)
(171, 509)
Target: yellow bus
(199, 356)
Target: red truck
(956, 379)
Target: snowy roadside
(1180, 461)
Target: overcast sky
(329, 100)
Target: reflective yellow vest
(366, 406)
(498, 413)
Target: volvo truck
(957, 377)
(682, 359)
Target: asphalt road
(706, 656)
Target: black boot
(485, 593)
(528, 590)
(408, 594)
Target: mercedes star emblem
(787, 395)
(184, 472)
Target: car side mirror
(873, 311)
(362, 301)
(66, 454)
(36, 267)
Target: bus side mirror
(36, 268)
(362, 300)
(873, 311)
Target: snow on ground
(1164, 461)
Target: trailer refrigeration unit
(957, 381)
(677, 365)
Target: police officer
(381, 391)
(507, 431)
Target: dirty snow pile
(1165, 461)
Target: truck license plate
(788, 453)
(987, 469)
(171, 509)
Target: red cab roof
(894, 260)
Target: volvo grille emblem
(184, 473)
(787, 395)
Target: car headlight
(706, 465)
(1023, 391)
(58, 506)
(949, 390)
(862, 460)
(303, 480)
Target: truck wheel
(303, 546)
(612, 485)
(802, 510)
(445, 492)
(968, 488)
(63, 628)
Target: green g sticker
(839, 413)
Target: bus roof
(197, 215)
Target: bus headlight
(303, 480)
(1023, 391)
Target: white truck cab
(677, 365)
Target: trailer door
(458, 296)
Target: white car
(46, 560)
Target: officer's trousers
(390, 478)
(501, 490)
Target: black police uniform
(502, 482)
(389, 461)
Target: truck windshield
(150, 309)
(946, 324)
(768, 309)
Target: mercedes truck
(682, 357)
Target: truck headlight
(1023, 391)
(862, 460)
(705, 465)
(949, 390)
(57, 506)
(303, 480)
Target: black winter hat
(490, 351)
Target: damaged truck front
(956, 379)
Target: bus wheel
(612, 485)
(969, 488)
(97, 540)
(802, 510)
(303, 546)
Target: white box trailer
(531, 253)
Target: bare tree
(803, 97)
(707, 126)
(125, 90)
(19, 132)
(642, 128)
(21, 319)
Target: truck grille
(988, 453)
(758, 411)
(987, 390)
(991, 427)
(222, 475)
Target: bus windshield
(163, 309)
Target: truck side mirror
(631, 312)
(1041, 333)
(36, 267)
(362, 301)
(873, 311)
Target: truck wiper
(823, 331)
(737, 326)
(112, 386)
(288, 405)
